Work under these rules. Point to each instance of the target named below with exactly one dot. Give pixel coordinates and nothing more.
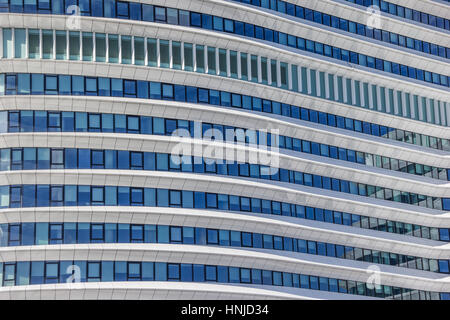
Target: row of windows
(70, 233)
(27, 121)
(99, 40)
(353, 27)
(131, 10)
(407, 13)
(193, 19)
(40, 272)
(126, 160)
(215, 61)
(38, 84)
(26, 196)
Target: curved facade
(218, 149)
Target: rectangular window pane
(88, 47)
(233, 64)
(100, 47)
(264, 70)
(47, 44)
(126, 49)
(7, 43)
(284, 75)
(113, 48)
(139, 51)
(74, 45)
(200, 58)
(254, 68)
(244, 66)
(223, 62)
(188, 57)
(274, 72)
(164, 53)
(147, 12)
(20, 43)
(33, 44)
(152, 53)
(61, 45)
(211, 60)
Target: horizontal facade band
(27, 157)
(239, 117)
(357, 10)
(262, 166)
(75, 68)
(43, 233)
(274, 191)
(50, 44)
(160, 291)
(428, 7)
(236, 117)
(251, 258)
(328, 19)
(224, 202)
(113, 271)
(283, 53)
(303, 28)
(235, 221)
(220, 152)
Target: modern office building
(314, 135)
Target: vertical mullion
(336, 88)
(67, 45)
(362, 95)
(133, 59)
(158, 58)
(94, 47)
(309, 84)
(26, 44)
(145, 51)
(182, 55)
(120, 48)
(81, 46)
(170, 55)
(194, 56)
(353, 88)
(319, 84)
(300, 79)
(387, 107)
(344, 90)
(41, 44)
(327, 85)
(411, 106)
(107, 48)
(54, 45)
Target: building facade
(224, 149)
